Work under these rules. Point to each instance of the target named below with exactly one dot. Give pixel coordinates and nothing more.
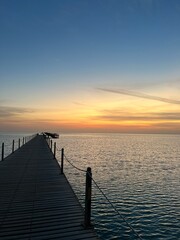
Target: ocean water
(7, 139)
(139, 174)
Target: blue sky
(64, 50)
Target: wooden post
(2, 156)
(62, 160)
(48, 141)
(13, 146)
(51, 144)
(54, 149)
(88, 190)
(19, 143)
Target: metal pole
(13, 146)
(88, 190)
(19, 142)
(2, 156)
(54, 149)
(62, 160)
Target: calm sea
(139, 174)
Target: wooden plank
(36, 201)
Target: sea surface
(136, 181)
(7, 139)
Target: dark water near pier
(140, 174)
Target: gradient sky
(90, 66)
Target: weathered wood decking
(36, 201)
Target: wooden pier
(36, 201)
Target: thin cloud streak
(118, 115)
(140, 95)
(6, 112)
(135, 118)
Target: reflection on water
(138, 173)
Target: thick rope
(79, 169)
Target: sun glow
(96, 112)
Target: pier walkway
(36, 201)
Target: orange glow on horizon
(104, 113)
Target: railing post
(19, 143)
(88, 190)
(51, 144)
(13, 146)
(48, 141)
(54, 149)
(2, 156)
(62, 160)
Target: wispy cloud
(6, 112)
(140, 95)
(122, 116)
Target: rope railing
(90, 179)
(79, 191)
(116, 210)
(79, 169)
(8, 148)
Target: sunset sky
(90, 66)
